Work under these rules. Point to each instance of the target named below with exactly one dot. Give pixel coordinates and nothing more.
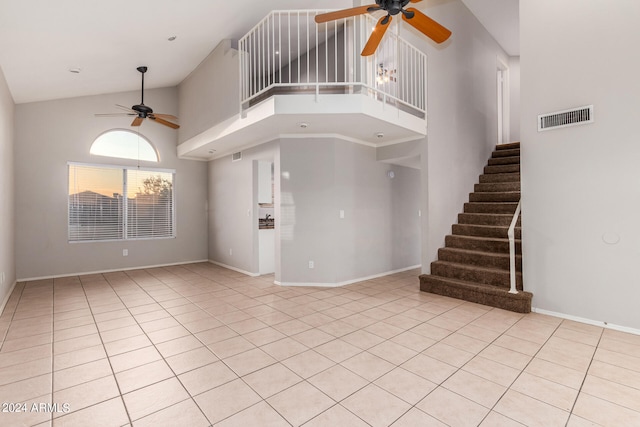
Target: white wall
(581, 183)
(514, 98)
(380, 230)
(462, 117)
(7, 235)
(50, 134)
(210, 94)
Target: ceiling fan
(142, 112)
(412, 16)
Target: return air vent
(236, 156)
(562, 119)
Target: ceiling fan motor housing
(142, 110)
(393, 7)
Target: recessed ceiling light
(212, 151)
(303, 125)
(380, 135)
(75, 70)
(172, 38)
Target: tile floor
(198, 345)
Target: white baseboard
(6, 297)
(347, 282)
(606, 325)
(84, 273)
(234, 268)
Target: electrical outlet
(311, 264)
(125, 252)
(341, 214)
(2, 278)
(230, 252)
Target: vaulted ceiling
(42, 42)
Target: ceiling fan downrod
(142, 70)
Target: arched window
(124, 144)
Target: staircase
(474, 264)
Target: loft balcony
(300, 78)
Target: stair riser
(484, 219)
(505, 153)
(485, 245)
(479, 259)
(495, 231)
(494, 278)
(502, 169)
(500, 177)
(498, 208)
(511, 196)
(520, 303)
(496, 187)
(507, 160)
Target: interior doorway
(502, 98)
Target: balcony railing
(287, 52)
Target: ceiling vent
(236, 156)
(563, 119)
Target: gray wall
(314, 180)
(50, 134)
(462, 117)
(210, 94)
(233, 208)
(380, 231)
(581, 184)
(7, 225)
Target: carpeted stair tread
(480, 294)
(491, 207)
(500, 177)
(500, 231)
(475, 274)
(505, 153)
(497, 187)
(479, 258)
(495, 196)
(502, 169)
(508, 146)
(505, 160)
(486, 244)
(486, 219)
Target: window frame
(124, 231)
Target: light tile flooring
(198, 345)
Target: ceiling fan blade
(114, 114)
(344, 13)
(164, 116)
(137, 121)
(122, 107)
(376, 36)
(427, 26)
(164, 122)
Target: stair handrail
(512, 250)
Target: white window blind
(115, 203)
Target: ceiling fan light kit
(412, 16)
(141, 111)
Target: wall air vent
(236, 156)
(562, 119)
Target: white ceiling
(40, 40)
(501, 18)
